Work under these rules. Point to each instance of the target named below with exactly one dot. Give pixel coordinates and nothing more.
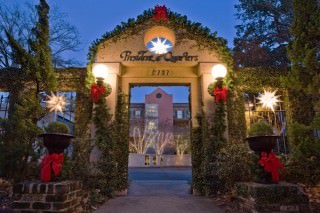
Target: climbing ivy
(198, 137)
(102, 120)
(120, 139)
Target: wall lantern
(217, 89)
(100, 88)
(100, 71)
(159, 40)
(219, 71)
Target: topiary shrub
(260, 128)
(58, 127)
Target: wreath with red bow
(220, 94)
(51, 164)
(271, 164)
(97, 91)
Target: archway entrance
(169, 52)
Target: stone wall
(266, 198)
(49, 197)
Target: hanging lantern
(159, 40)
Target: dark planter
(56, 142)
(263, 143)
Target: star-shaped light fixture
(269, 99)
(159, 45)
(56, 103)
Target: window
(152, 125)
(179, 114)
(152, 110)
(137, 114)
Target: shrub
(303, 164)
(234, 163)
(260, 128)
(58, 127)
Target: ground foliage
(234, 164)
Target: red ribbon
(220, 94)
(271, 163)
(50, 163)
(96, 92)
(160, 13)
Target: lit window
(179, 114)
(152, 125)
(152, 110)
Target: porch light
(220, 92)
(219, 71)
(100, 71)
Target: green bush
(234, 163)
(260, 128)
(58, 127)
(303, 163)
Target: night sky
(93, 18)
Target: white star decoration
(160, 47)
(56, 103)
(269, 99)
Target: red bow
(160, 13)
(96, 92)
(271, 164)
(220, 94)
(51, 162)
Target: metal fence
(277, 119)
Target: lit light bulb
(218, 71)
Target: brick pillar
(49, 197)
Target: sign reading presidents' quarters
(142, 56)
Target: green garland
(198, 138)
(103, 139)
(120, 138)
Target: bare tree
(182, 143)
(141, 140)
(19, 22)
(161, 140)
